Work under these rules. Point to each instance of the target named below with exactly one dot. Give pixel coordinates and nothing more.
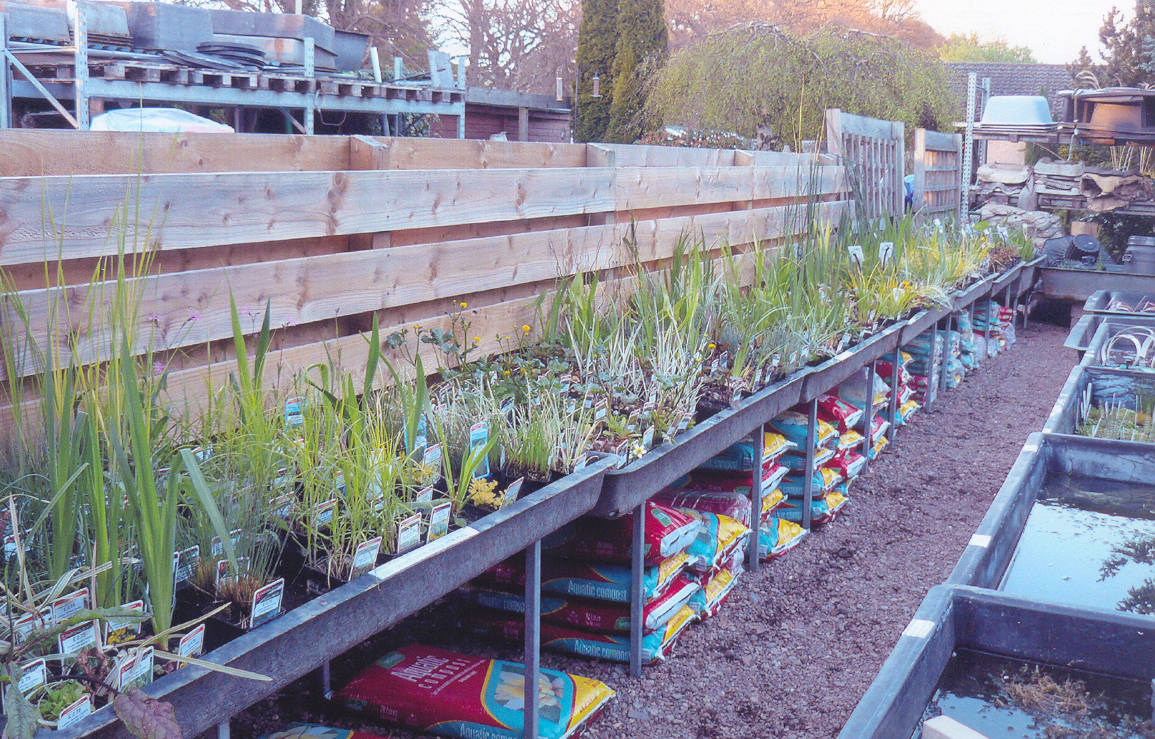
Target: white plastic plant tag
(141, 673)
(69, 605)
(282, 507)
(35, 674)
(478, 438)
(365, 556)
(122, 670)
(857, 257)
(511, 492)
(25, 625)
(409, 533)
(623, 452)
(439, 521)
(78, 638)
(73, 714)
(186, 563)
(601, 409)
(581, 462)
(424, 495)
(885, 252)
(267, 603)
(192, 644)
(118, 631)
(323, 513)
(648, 438)
(339, 483)
(432, 459)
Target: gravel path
(796, 646)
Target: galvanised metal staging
(69, 87)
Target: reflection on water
(1090, 543)
(1004, 698)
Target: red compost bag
(733, 504)
(838, 413)
(440, 692)
(575, 577)
(709, 599)
(668, 531)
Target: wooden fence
(937, 172)
(329, 231)
(873, 152)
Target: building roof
(1012, 79)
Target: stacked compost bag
(922, 350)
(955, 369)
(907, 387)
(999, 334)
(969, 352)
(585, 604)
(826, 498)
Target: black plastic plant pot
(630, 486)
(191, 604)
(306, 637)
(1097, 386)
(838, 368)
(964, 618)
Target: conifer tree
(641, 43)
(597, 41)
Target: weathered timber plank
(195, 210)
(642, 187)
(413, 153)
(46, 152)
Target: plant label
(192, 644)
(267, 603)
(142, 667)
(295, 412)
(223, 573)
(478, 438)
(885, 252)
(73, 714)
(186, 563)
(365, 557)
(217, 548)
(10, 546)
(511, 492)
(35, 675)
(323, 512)
(118, 632)
(408, 533)
(121, 672)
(25, 625)
(439, 521)
(424, 495)
(601, 409)
(857, 257)
(69, 605)
(687, 419)
(623, 452)
(282, 507)
(648, 438)
(432, 460)
(632, 420)
(581, 462)
(78, 638)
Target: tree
(1127, 61)
(597, 42)
(968, 48)
(641, 45)
(758, 75)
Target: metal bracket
(41, 89)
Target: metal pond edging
(305, 638)
(1066, 415)
(960, 617)
(1082, 332)
(840, 367)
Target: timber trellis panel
(937, 173)
(329, 231)
(873, 152)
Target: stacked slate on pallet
(1057, 184)
(1001, 183)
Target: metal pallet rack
(84, 79)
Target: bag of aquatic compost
(609, 582)
(908, 409)
(735, 504)
(848, 463)
(778, 536)
(594, 615)
(791, 509)
(856, 388)
(793, 425)
(837, 499)
(706, 602)
(850, 440)
(656, 645)
(313, 731)
(877, 448)
(824, 478)
(775, 445)
(839, 413)
(718, 538)
(770, 503)
(796, 461)
(668, 532)
(739, 457)
(440, 692)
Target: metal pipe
(756, 500)
(532, 638)
(868, 416)
(945, 354)
(637, 597)
(80, 62)
(224, 730)
(326, 679)
(896, 364)
(808, 482)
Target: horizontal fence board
(640, 187)
(187, 308)
(45, 152)
(193, 210)
(408, 153)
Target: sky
(1053, 29)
